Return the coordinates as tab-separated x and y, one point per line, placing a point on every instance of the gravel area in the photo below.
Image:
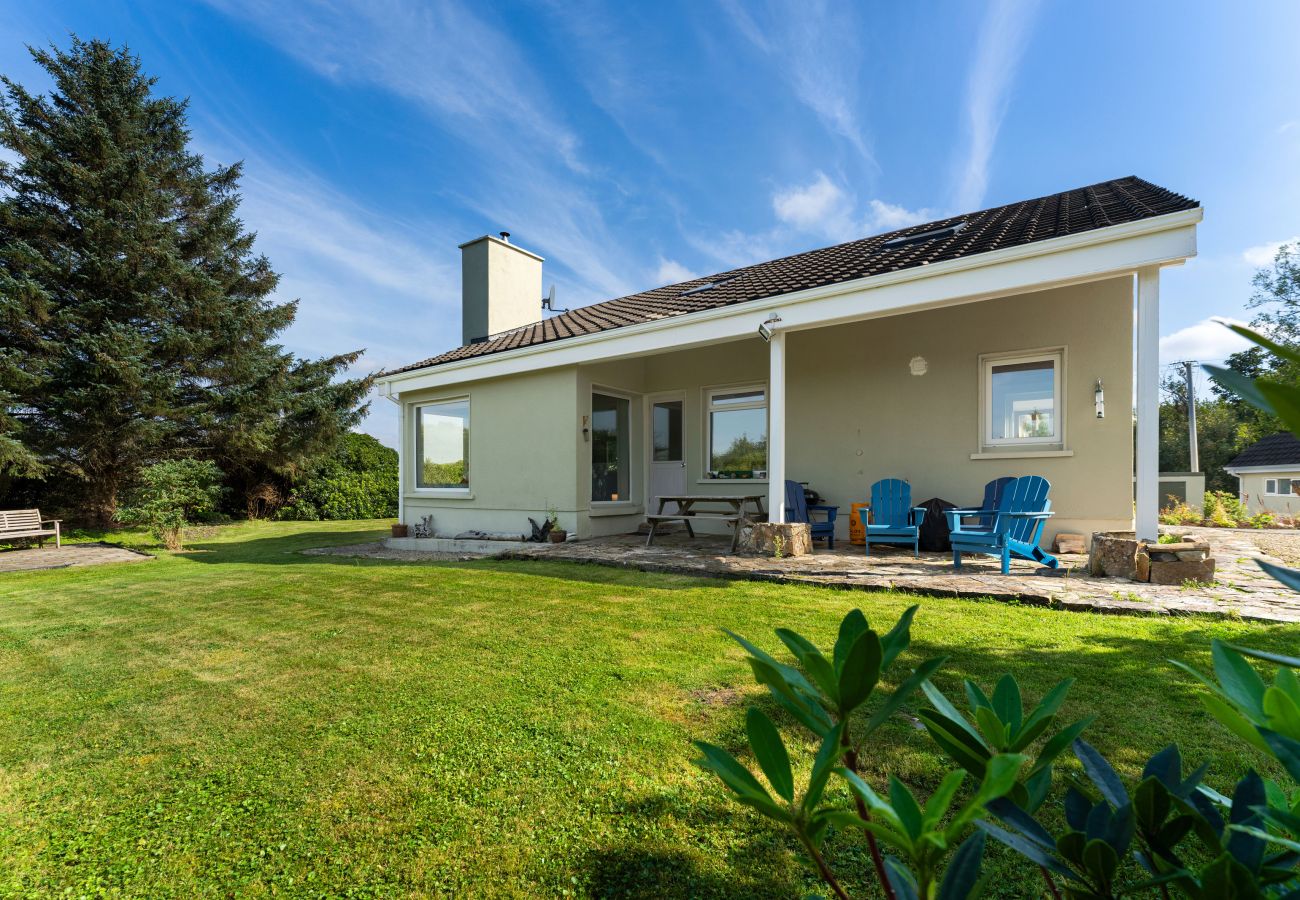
1281	544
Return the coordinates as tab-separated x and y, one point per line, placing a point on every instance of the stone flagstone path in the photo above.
51	557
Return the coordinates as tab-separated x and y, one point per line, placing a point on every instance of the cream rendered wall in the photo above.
857	414
523	438
1251	489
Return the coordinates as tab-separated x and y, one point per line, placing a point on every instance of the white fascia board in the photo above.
1091	255
1252	470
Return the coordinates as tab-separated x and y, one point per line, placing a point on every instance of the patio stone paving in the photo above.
1241	590
50	557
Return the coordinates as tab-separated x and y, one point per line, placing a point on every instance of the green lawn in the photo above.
244	720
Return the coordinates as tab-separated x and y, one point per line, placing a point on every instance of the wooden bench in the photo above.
657	520
27	523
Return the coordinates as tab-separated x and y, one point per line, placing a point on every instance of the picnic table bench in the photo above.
687	513
27	523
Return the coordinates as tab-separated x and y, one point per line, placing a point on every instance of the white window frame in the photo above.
417	463
707	429
629	501
1274	492
1054	355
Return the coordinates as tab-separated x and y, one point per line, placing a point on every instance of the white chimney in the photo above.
501	287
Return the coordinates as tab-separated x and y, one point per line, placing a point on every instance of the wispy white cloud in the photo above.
1002	38
812	206
670	271
1263	254
481	88
825	208
819	47
1207	341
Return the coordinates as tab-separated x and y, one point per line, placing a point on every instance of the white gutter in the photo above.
1255	470
1161	240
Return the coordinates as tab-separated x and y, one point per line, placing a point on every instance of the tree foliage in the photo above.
357	482
135	314
172	494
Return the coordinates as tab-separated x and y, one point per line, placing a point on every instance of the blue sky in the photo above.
634	144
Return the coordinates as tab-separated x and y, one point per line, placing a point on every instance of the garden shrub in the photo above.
360	482
171	495
1168	834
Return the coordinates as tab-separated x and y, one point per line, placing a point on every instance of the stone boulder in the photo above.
1114	554
762	539
1178	563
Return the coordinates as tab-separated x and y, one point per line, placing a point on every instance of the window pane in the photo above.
442	445
666	419
609	448
736	398
738	443
1023	404
1284	485
1270	486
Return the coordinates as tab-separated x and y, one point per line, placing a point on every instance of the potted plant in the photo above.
399	530
557	534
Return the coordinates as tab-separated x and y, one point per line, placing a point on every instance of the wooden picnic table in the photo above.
686	512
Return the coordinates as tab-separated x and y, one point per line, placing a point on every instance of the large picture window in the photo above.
610	448
1022	400
737	433
442	444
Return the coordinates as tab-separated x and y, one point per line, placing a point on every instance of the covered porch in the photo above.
945	398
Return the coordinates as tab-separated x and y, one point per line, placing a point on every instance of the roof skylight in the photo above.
923	236
708	286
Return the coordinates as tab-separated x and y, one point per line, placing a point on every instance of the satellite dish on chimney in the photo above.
548	302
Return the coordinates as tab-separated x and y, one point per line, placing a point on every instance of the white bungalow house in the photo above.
1001	342
1268	475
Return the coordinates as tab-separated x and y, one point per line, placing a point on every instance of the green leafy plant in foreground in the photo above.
1168	832
834	699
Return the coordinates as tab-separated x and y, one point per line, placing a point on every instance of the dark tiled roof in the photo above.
1070	212
1274	450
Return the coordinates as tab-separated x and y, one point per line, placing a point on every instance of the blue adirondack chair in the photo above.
798	509
1022	511
896	520
983	517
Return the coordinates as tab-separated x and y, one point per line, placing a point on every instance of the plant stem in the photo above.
1051	883
824	870
851	763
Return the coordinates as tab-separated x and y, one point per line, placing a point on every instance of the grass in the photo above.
245	720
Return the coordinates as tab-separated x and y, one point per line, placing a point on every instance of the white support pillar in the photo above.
776	429
1147	377
402	459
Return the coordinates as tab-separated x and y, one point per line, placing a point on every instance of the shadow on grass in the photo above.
288	550
646	874
747	868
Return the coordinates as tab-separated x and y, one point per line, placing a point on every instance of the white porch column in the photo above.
776	429
402	459
1147	376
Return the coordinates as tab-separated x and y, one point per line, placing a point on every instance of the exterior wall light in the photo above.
766	329
1099	396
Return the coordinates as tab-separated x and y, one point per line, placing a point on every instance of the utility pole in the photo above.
1194	457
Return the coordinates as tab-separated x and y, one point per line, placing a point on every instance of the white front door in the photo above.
667	460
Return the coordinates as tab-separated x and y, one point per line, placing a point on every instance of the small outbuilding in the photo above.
1268	475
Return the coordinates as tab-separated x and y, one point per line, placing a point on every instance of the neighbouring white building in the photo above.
1268	475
